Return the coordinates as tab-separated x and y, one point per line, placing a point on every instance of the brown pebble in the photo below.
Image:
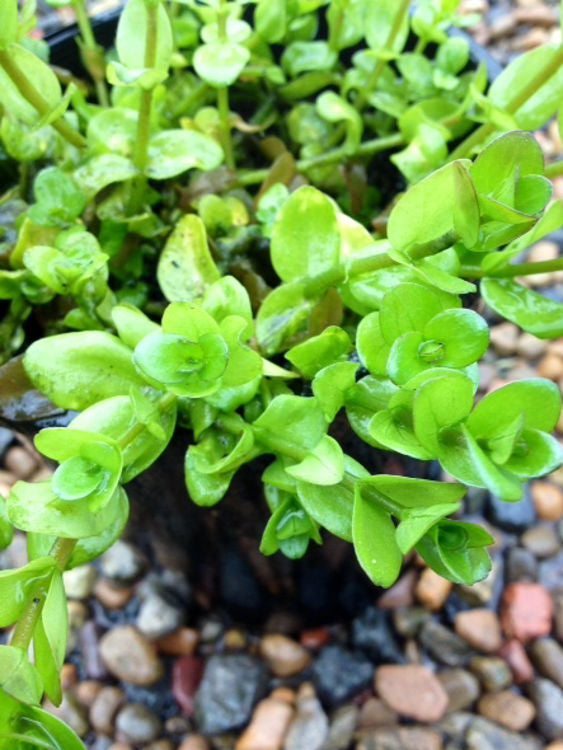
401	738
104	709
112	597
550	366
6	477
284	656
376	713
401	594
314	638
530	40
516	657
268	726
512	711
194	742
181	642
87	691
548	500
69	676
19	462
5	490
284	694
504	338
480	628
130	656
234	639
120	746
159	745
503	26
536	15
432	590
412	690
557	745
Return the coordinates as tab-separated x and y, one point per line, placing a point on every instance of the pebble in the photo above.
486	591
69	676
79	582
530	347
432	590
512	711
443	645
483	734
104	708
86	692
314	638
412	691
186	678
548	700
19	462
547	656
342	727
91	656
195	742
550	366
111	596
515	517
284	656
401	738
526	611
530	40
340	674
480	628
401	594
517	659
231	686
554	746
181	642
461	686
492	672
557	598
521	565
372	633
309	728
542	540
137	723
548	500
550	573
504	338
157	617
71	712
409	620
268	726
122	562
130	656
376	713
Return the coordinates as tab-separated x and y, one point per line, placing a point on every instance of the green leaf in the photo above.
220	63
463	333
103	170
455	551
416	522
443	204
40	728
411	493
334	108
18	677
50	638
132	32
211	458
289	529
373	349
363	399
205	489
404	360
528	309
301	57
225	297
305	238
172	152
6	529
406	308
379	20
132	325
9	28
185	267
331	386
17	585
283	315
374	541
33	69
113	130
77	369
392	428
59	200
320	351
534	455
270	19
324	465
295	420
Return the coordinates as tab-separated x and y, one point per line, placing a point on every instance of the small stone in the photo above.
340	674
461	686
104	708
309	728
409	620
548	700
550	573
157	617
315	638
186	678
537	15
550	366
130	656
137	723
194	742
159	745
342	727
90	646
376	713
181	642
480	628
432	590
504	338
231	685
372	633
526	611
515	656
530	40
412	691
111	596
87	691
516	517
541	540
71	712
554	746
401	738
19	462
483	734
486	591
69	676
79	582
122	562
443	645
401	594
512	711
284	694
283	655
234	639
530	347
548	500
547	656
268	726
557	598
492	672
521	565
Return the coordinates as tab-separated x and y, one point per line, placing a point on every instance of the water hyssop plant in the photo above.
256	217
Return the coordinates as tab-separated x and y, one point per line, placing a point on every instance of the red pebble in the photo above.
526	611
314	638
186	676
515	656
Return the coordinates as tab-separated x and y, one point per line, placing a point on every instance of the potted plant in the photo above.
266	223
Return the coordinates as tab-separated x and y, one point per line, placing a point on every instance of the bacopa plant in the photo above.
245	204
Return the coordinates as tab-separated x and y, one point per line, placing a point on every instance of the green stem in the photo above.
94	57
368	148
465	148
374	77
555	169
37	101
226	141
517	269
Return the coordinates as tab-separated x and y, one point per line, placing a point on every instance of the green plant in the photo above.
263	295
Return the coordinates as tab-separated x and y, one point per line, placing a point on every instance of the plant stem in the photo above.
555	169
367	148
226	142
37	101
93	52
394	30
513	105
516	269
